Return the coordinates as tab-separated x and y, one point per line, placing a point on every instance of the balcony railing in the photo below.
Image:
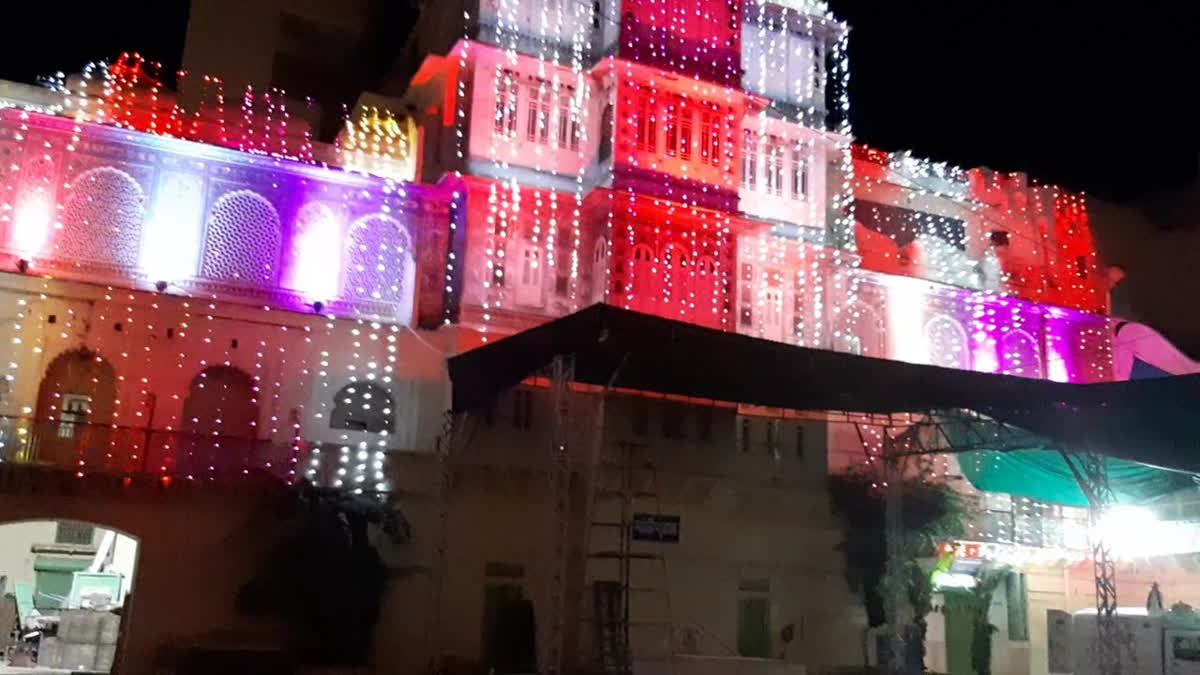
104	448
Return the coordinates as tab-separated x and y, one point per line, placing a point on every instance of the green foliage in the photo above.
981	628
325	576
930	513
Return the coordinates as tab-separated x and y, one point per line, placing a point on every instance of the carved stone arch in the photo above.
860	331
1019	354
75	405
380	260
242	240
102	219
946	343
220	423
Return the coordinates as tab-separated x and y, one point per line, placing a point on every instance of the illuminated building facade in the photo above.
200	291
703	170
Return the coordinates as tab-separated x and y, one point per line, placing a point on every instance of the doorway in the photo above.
220	417
75	405
64	589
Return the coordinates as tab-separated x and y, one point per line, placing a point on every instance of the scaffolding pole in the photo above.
551	660
452	432
1091	473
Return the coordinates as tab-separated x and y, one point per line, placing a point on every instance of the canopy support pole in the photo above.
552	642
1091	473
452	433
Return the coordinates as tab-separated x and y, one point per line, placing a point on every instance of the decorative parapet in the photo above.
114	206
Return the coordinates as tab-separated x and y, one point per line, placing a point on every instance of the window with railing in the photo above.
749	159
774	165
507	101
568	122
646	125
537	125
799	175
710	138
363	406
671	133
782	65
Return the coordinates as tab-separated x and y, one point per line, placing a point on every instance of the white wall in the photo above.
517	150
16	556
784	205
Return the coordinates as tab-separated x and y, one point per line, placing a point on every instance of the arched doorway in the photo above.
65	585
73	422
220	418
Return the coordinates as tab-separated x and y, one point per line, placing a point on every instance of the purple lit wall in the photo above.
972	330
113	206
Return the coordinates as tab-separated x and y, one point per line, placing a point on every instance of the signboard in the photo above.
655	527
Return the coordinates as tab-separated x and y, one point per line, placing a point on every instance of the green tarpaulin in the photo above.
1026	465
1043	475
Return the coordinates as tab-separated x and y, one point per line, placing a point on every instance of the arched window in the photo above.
242	240
529	279
707	292
220	422
599	270
946	343
102	219
860	331
606	126
641	283
363	406
676	282
1019	355
380	260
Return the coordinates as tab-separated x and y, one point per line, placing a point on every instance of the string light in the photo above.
674	174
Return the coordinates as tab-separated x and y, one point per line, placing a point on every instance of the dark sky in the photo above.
1094	96
66	35
1075	93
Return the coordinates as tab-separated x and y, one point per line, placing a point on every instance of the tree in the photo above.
325	576
980	602
930	513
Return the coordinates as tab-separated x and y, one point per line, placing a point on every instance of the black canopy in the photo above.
1145	421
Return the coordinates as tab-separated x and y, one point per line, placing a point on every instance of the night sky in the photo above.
65	36
1092	98
1097	100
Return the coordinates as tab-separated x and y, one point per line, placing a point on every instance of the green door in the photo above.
754	627
959	632
54	577
498	603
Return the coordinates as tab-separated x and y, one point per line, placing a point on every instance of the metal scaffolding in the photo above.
1091	472
550	661
927	434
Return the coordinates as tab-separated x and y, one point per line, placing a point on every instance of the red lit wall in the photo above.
1033	240
681	130
685	36
671	260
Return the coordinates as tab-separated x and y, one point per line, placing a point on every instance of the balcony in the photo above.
89	448
131	209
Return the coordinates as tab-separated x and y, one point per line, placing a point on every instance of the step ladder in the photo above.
631	609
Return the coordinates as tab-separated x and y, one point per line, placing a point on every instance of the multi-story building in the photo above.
193	295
